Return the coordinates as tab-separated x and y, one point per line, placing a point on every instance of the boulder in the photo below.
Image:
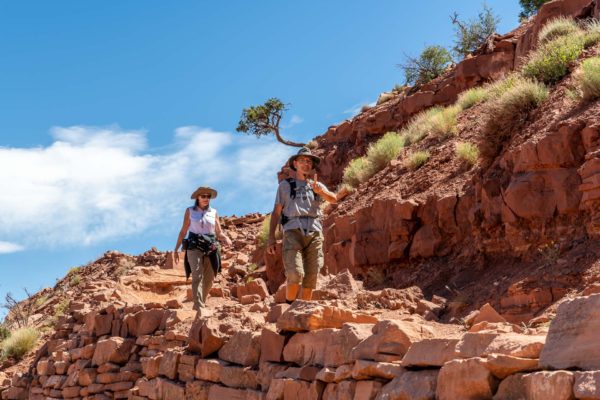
414	385
391	339
572	337
430	353
587	385
502	365
115	349
306	316
465	379
482	344
243	348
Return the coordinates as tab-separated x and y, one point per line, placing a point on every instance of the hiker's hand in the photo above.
176	257
272	248
228	241
314	185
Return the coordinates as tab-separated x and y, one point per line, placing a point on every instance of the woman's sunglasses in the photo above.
205	196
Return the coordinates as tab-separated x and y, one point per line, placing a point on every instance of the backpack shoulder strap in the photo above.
292	183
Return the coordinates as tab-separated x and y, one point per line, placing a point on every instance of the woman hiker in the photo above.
202	250
298	203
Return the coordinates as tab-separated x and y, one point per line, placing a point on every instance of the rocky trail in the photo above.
443	282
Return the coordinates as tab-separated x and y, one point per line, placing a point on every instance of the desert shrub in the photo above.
357	171
263	235
471	34
74	270
558	27
388	148
432	62
501	86
530	7
419	126
19	343
509	111
591	35
61	307
467	152
417	159
587	78
4	332
469	98
313	145
365	107
75	280
443	123
550	62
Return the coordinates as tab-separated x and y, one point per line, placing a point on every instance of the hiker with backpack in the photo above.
298	208
202	250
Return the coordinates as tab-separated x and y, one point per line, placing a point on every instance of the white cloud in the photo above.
93	184
355	109
294	120
7	247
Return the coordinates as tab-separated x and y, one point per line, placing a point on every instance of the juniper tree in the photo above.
530	7
432	62
264	120
470	35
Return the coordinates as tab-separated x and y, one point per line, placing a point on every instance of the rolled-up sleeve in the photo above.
282	193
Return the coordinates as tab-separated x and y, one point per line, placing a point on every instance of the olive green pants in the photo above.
202	277
302	257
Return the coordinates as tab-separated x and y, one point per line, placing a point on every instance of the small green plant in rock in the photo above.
592	33
19	343
558	27
467	152
420	125
74	280
469	98
550	63
417	159
4	332
443	123
263	235
357	171
509	111
587	79
388	148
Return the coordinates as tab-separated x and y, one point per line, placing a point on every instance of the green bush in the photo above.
587	78
432	62
388	148
470	35
469	98
443	123
467	152
592	33
4	332
357	171
263	235
75	280
509	111
417	159
419	126
530	7
558	27
501	86
19	343
550	63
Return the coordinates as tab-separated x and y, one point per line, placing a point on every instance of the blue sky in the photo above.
113	112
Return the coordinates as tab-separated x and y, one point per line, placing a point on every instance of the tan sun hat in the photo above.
304	151
204	190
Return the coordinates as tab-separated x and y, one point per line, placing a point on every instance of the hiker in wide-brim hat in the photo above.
304	152
298	208
202	249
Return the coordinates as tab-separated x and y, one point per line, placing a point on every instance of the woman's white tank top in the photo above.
203	221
